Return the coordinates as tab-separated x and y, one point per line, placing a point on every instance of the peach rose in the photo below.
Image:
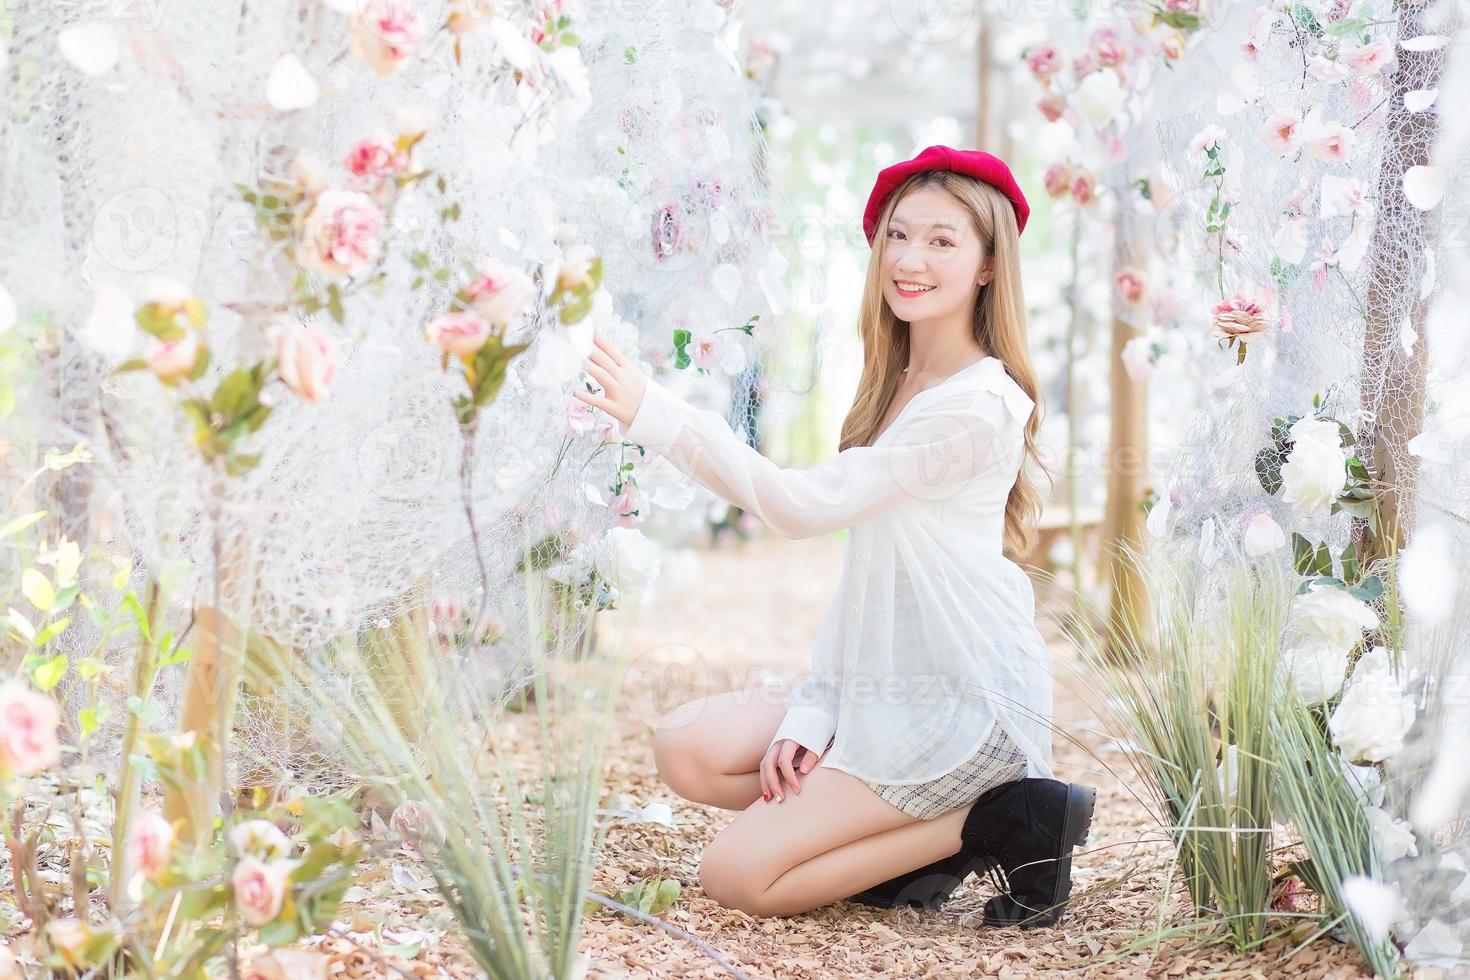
1057	179
150	843
307	360
1331	141
260	889
1283	133
28	723
499	293
385	34
1239	316
175	359
1172	47
341	234
462	333
1368	58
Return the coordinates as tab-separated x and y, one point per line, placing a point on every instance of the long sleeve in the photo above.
929	454
811	714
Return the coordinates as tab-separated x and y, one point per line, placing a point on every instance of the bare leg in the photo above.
709	750
833	839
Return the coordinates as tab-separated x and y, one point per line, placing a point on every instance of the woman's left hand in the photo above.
623	384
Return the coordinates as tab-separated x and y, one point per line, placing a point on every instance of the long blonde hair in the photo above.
999	326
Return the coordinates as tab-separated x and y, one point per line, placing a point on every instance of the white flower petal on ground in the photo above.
91	47
657	812
290	86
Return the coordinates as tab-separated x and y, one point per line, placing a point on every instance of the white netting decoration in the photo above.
130	141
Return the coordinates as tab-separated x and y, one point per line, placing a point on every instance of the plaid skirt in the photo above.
997	761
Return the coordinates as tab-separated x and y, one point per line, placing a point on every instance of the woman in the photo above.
922	739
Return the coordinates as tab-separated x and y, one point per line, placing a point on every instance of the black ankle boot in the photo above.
1027	829
928	887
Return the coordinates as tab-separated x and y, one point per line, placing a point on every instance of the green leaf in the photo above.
51	631
280	932
334	304
1301	554
1369	589
630	54
50	672
20	524
90	718
235	393
1268	468
37	589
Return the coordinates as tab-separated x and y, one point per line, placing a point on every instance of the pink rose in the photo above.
1106	49
1131	286
1057	179
1043	61
414	821
375	159
175	359
1052	106
462	333
341	234
1084	188
1172	47
150	843
1184	6
1331	141
260	889
1368	58
1239	316
624	504
385	34
1083	65
1283	133
307	360
28	721
500	293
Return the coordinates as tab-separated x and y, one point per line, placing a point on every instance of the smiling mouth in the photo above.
906	289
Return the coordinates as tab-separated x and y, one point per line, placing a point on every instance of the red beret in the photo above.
976	163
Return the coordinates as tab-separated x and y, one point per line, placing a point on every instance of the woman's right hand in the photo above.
784	761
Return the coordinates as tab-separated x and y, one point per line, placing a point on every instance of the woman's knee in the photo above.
726	880
676	759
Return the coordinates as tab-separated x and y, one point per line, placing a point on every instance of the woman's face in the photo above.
932	242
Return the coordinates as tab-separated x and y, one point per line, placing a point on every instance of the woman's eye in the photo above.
892	233
944	240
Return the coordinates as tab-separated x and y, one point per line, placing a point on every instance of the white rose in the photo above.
1137	358
1375	714
260	839
1316	470
635	559
1393	839
1334	616
1317	670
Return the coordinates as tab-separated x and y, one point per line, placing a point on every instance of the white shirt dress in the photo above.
928	659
